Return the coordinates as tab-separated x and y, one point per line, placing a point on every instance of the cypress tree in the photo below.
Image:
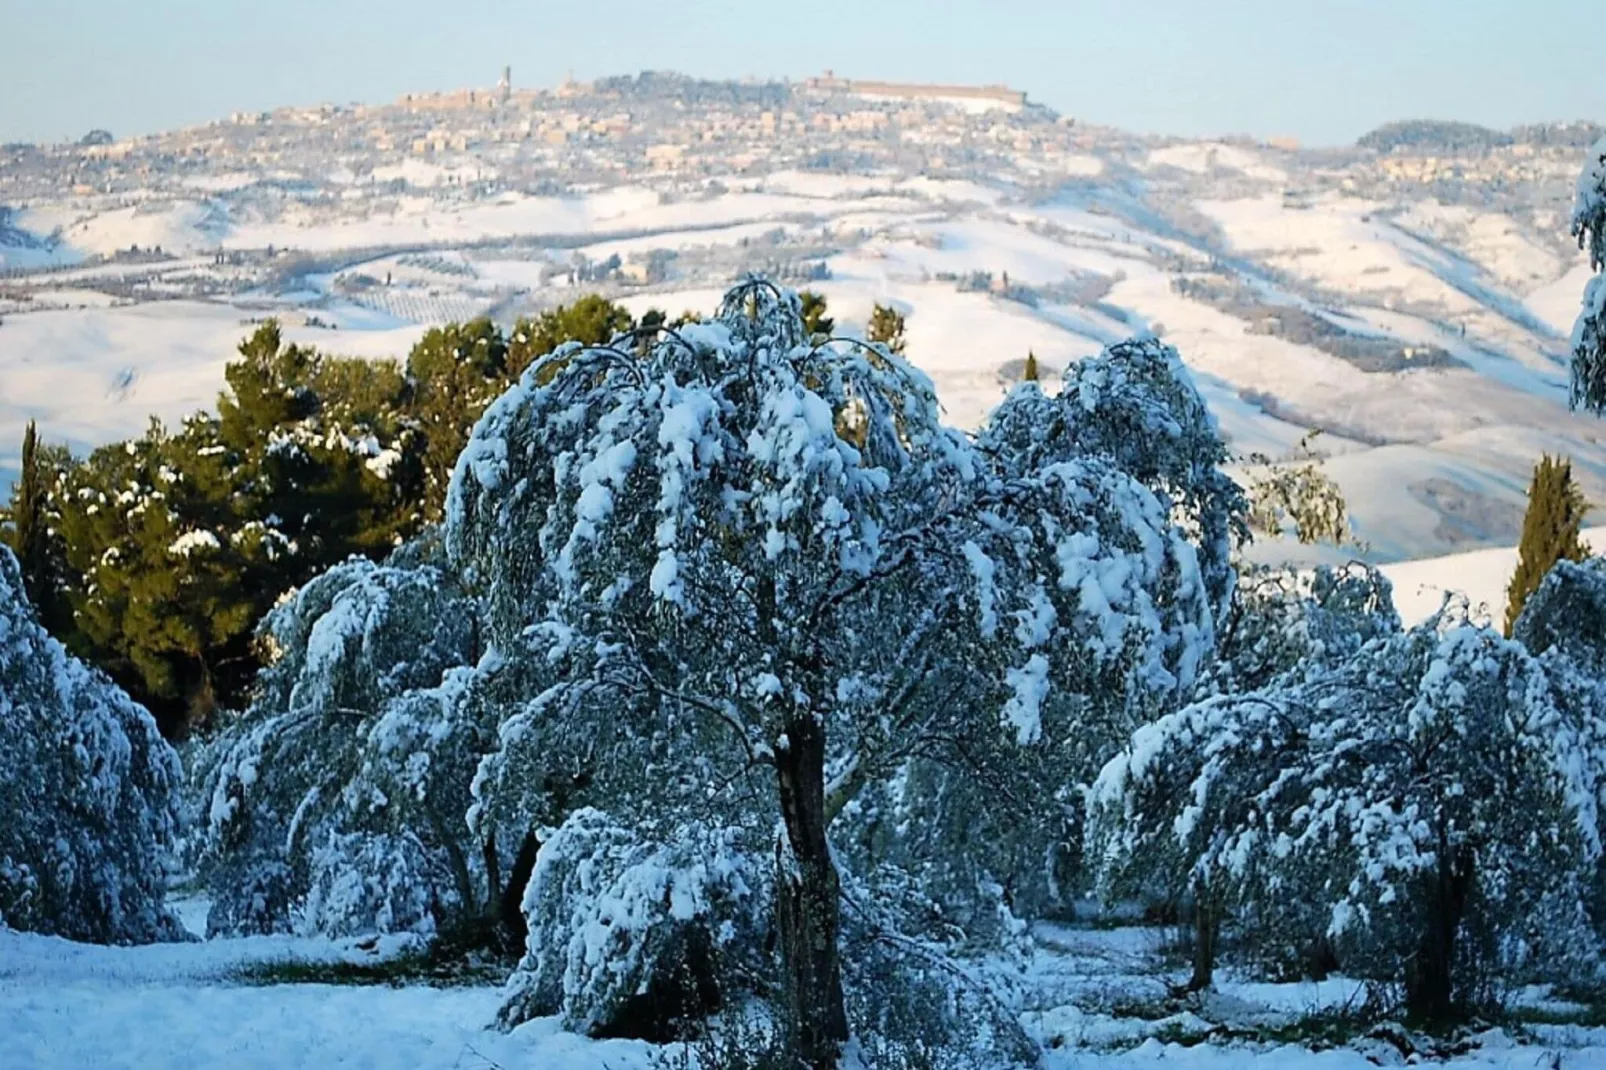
1550	531
887	327
1029	373
815	321
27	500
31	537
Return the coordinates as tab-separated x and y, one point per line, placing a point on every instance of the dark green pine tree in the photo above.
593	320
887	327
455	372
815	321
1550	531
1029	372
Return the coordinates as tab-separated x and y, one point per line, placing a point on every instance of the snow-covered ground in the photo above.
66	1006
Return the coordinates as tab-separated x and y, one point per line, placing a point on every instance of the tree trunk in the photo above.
1430	994
1206	926
808	907
510	911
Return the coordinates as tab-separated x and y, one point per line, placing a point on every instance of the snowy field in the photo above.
1098	1002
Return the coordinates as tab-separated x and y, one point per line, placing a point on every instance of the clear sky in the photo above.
1321	70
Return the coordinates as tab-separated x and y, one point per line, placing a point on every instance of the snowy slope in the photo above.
1481	575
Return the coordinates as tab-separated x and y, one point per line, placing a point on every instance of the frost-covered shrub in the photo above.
1589	334
1567	615
635	928
89	792
1428	807
335	802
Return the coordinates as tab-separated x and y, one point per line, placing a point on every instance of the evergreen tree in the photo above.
593	320
33	533
455	371
1550	530
815	321
887	328
1029	373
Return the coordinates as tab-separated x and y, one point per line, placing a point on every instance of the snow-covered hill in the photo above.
1420	327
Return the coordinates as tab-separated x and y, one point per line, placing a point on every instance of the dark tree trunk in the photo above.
808	906
493	875
1430	994
510	910
1206	927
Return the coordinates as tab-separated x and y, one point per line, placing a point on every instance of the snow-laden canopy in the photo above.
767	578
1589	334
88	792
335	802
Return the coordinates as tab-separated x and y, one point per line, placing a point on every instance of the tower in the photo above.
504	88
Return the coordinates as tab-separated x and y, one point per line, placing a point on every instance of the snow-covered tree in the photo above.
768	575
88	790
992	828
336	802
1297	622
1136	405
1567	615
1428	807
1589	335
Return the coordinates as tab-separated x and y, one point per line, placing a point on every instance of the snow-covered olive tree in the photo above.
89	792
1428	807
771	578
1589	335
336	802
636	925
1287	622
1136	405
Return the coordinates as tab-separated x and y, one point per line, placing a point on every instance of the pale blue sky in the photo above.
1322	71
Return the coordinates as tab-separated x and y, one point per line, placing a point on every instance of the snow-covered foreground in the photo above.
66	1005
177	1005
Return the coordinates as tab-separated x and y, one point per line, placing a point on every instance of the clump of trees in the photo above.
747	582
1427	810
155	558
